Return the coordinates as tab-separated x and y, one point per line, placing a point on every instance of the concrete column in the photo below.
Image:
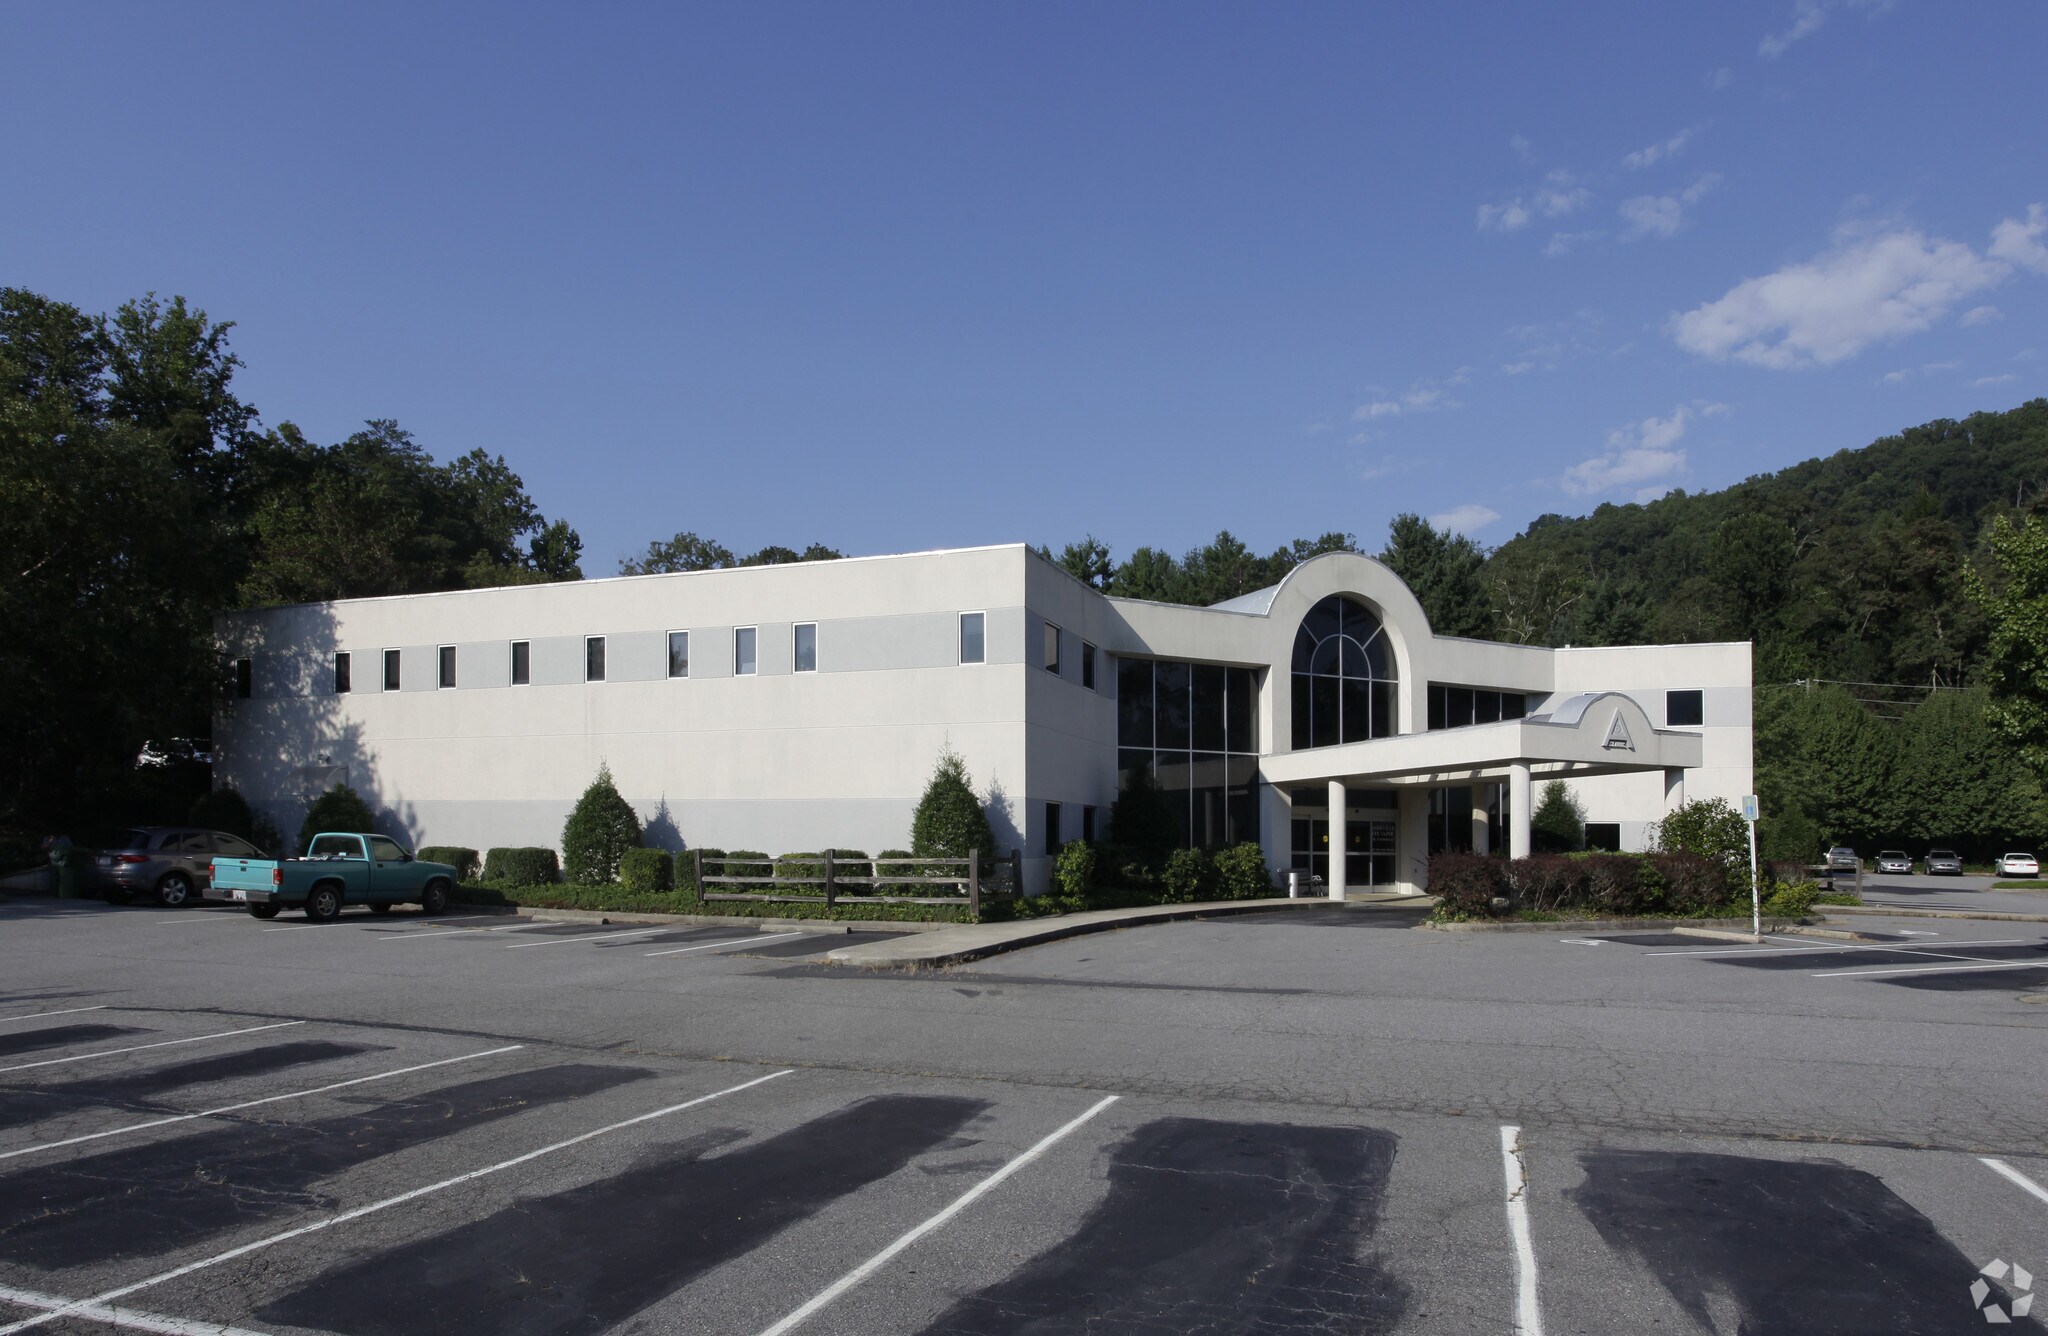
1482	835
1276	828
1340	838
1411	840
1674	790
1518	810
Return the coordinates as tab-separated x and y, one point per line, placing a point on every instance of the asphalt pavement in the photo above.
1305	1121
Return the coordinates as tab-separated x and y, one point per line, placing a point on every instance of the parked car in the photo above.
1943	863
1843	857
1893	860
2018	865
172	863
174	751
340	867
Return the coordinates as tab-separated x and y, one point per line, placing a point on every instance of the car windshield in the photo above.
1891	853
133	839
1940	853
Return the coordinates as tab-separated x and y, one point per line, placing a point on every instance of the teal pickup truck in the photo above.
340	868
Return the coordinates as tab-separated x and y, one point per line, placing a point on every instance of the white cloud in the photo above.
1652	153
2020	242
1466	519
1546	347
1424	396
1981	315
1663	215
1640	456
1561	195
1561	243
1868	288
1982	381
1899	377
1509	217
1807	18
1523	148
1720	79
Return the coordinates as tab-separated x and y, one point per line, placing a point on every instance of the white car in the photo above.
2019	865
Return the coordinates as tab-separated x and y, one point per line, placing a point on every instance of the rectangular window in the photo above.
593	658
341	674
973	646
522	662
1088	665
1603	836
391	670
679	654
447	665
1088	824
806	647
743	661
1052	648
245	678
1052	828
1685	709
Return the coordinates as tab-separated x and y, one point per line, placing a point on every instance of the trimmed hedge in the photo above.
644	871
1589	885
614	897
1241	873
466	862
522	867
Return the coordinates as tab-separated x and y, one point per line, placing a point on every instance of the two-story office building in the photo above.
804	706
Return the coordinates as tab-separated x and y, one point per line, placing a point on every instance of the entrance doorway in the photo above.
1369	861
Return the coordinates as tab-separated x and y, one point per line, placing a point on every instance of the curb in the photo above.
1610	925
821	926
976	941
1998	916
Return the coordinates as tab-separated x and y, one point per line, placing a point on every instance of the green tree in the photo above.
684	552
2014	597
1150	574
1143	816
1558	825
1708	827
1087	561
600	829
1968	784
950	821
341	808
1445	571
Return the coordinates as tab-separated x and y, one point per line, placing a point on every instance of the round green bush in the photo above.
598	832
338	809
647	871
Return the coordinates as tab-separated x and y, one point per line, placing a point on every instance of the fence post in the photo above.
697	871
828	879
974	882
1017	873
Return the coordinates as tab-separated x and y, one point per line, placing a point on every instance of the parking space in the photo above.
1916	958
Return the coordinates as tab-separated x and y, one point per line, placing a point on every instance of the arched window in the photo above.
1343	675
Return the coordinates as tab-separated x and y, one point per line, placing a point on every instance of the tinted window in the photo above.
385	851
391	670
743	660
341	674
1052	828
336	846
245	678
1604	836
593	658
1051	657
522	663
806	647
1134	703
234	848
679	654
1087	665
1684	709
191	842
972	648
447	665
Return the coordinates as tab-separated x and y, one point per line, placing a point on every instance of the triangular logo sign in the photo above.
1617	735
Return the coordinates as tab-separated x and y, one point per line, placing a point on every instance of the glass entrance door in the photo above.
1369	861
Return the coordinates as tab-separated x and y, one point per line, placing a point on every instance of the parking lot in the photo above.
1316	1121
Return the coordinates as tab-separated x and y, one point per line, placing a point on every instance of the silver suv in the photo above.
172	863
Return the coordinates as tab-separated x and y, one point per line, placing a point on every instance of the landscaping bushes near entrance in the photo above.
1673	885
521	867
466	862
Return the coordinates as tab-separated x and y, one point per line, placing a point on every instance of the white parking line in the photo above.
68	1011
728	941
1745	951
137	1048
271	1240
1935	969
134	1319
2025	1184
585	937
960	1203
415	936
250	1103
1909	949
1528	1314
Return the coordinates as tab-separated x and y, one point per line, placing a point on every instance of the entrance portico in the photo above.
1593	733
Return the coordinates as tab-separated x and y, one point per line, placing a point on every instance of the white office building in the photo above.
802	707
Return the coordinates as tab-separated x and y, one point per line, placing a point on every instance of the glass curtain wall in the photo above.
1343	676
1192	726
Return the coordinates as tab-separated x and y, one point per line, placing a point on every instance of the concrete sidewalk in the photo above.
958	945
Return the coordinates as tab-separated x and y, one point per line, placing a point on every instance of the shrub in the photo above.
1793	899
1144	818
885	869
1710	828
521	866
1692	885
1073	870
224	809
1546	883
1558	825
1126	866
338	809
1241	872
1621	884
950	820
466	862
804	874
853	863
738	863
598	832
1467	884
1188	875
647	871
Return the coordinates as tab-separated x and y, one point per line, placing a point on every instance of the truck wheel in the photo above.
380	906
173	889
434	899
263	911
323	903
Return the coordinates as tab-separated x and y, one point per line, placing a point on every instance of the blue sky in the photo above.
892	277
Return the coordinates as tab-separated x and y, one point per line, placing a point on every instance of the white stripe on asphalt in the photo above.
68	1011
728	941
1935	969
249	1103
134	1319
80	1305
1528	1315
960	1203
137	1048
2025	1184
584	937
1909	949
1745	951
450	932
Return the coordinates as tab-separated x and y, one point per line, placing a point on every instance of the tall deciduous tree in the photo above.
1446	571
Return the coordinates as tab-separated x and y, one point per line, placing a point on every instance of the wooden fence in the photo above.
971	879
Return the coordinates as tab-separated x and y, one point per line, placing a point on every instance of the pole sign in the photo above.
1749	810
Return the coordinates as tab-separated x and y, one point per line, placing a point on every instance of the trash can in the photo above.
1297	884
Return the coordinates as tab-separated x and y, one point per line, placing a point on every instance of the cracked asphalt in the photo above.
1275	1123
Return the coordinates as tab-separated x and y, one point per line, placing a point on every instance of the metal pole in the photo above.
1756	903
